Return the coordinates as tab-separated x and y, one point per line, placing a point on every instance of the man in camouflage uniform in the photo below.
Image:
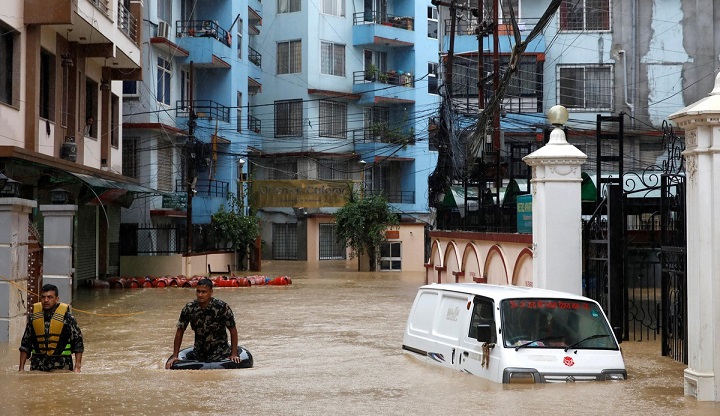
208	317
51	336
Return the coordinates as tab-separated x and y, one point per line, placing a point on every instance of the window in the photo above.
184	88
432	16
284	169
482	320
130	157
164	10
334	7
332	59
288	118
114	121
390	258
288	6
330	249
130	89
164	71
91	106
9	65
333	119
47	85
586	87
585	15
432	78
165	165
329	169
239	38
375	119
239	111
289	57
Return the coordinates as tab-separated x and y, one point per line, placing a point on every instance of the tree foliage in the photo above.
234	228
361	225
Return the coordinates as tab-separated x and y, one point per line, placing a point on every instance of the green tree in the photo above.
361	225
235	229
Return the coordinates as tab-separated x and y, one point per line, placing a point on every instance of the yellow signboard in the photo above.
299	193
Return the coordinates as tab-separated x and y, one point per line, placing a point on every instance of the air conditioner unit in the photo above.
163	29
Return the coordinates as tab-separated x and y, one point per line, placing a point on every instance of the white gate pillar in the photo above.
58	248
14	217
557	210
701	122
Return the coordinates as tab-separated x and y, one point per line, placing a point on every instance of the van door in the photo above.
451	317
477	353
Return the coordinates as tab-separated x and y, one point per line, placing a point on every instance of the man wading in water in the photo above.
208	317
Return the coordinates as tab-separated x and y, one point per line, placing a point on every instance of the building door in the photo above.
330	249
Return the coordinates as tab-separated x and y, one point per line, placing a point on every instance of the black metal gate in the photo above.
634	246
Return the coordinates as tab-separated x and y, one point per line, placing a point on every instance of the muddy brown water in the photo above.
329	344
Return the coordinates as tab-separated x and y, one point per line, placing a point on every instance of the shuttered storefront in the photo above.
86	243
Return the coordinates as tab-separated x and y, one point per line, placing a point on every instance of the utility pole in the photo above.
496	86
191	165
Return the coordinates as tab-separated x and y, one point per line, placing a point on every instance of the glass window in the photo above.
9	64
288	118
482	320
47	85
390	257
432	16
334	7
164	10
164	72
432	78
333	119
289	57
130	88
288	6
591	15
555	323
332	59
586	87
329	169
91	108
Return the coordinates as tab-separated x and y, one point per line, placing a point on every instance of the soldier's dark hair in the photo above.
48	288
205	282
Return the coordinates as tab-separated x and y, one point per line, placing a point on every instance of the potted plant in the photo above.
370	72
383	77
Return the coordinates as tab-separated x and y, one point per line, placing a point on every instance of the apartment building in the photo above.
188	121
349	92
61	64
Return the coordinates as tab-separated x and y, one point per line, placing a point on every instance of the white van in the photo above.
513	334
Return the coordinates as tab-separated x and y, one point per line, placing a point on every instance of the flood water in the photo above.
330	343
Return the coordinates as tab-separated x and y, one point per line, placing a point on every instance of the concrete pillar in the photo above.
14	217
701	122
58	248
556	210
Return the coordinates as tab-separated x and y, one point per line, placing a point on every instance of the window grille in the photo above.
288	118
593	15
332	59
586	87
330	249
333	119
289	57
284	245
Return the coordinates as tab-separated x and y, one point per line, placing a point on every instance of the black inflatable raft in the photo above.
186	361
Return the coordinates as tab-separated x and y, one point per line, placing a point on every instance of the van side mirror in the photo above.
486	333
618	334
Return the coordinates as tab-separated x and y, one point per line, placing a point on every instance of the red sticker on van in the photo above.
568	361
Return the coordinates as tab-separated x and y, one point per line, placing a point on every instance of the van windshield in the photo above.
555	323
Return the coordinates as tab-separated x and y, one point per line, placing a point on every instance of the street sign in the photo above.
175	200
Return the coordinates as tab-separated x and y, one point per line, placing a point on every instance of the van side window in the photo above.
482	321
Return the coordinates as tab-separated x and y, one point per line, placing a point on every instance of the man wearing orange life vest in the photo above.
51	336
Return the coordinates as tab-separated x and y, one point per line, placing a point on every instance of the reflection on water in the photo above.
327	344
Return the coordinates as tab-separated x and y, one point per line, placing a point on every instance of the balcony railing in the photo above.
204	109
127	23
392	77
254	57
394	197
205	187
254	124
102	5
204	29
389	136
373	17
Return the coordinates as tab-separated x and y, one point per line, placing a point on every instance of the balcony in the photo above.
204	109
254	21
254	57
208	44
205	187
373	28
254	124
381	133
393	197
387	87
127	23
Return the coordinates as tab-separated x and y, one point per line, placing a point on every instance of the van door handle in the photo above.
452	359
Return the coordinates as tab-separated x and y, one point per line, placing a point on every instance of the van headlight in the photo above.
614	375
520	376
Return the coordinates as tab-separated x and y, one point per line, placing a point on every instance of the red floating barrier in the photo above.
116	283
160	282
243	282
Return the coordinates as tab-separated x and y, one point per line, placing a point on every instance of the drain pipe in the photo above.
625	82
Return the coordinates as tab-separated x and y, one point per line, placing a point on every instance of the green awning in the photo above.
103	191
